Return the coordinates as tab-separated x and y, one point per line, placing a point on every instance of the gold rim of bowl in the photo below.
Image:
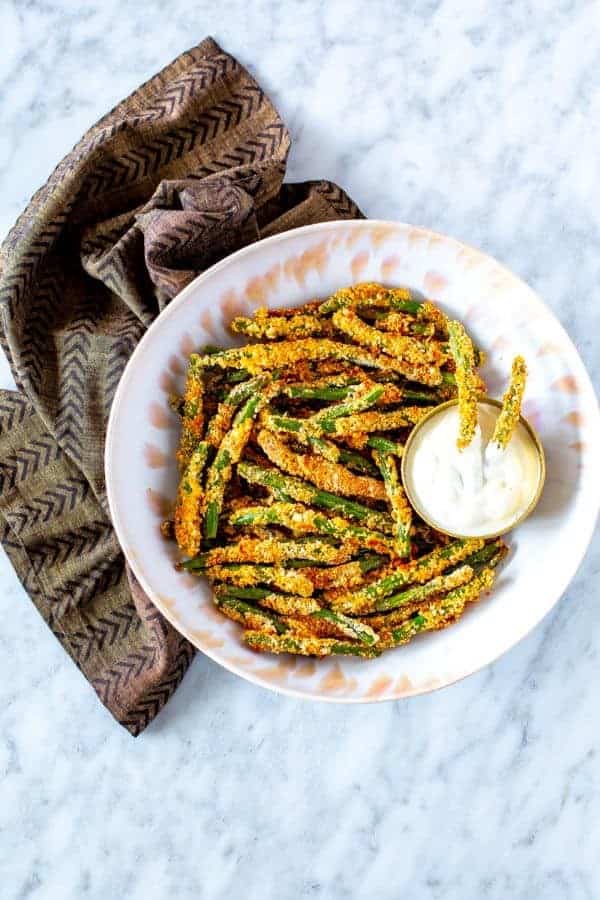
535	440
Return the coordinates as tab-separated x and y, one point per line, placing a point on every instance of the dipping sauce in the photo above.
480	491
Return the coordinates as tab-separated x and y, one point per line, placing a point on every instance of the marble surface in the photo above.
478	119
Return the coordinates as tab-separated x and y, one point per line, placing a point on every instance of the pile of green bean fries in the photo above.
291	500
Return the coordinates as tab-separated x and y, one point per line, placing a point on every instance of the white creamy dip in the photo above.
481	490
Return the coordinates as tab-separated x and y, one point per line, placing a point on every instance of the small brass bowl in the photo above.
406	460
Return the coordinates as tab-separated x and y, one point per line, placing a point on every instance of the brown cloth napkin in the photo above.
181	173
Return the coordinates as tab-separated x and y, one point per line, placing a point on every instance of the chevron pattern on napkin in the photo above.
183	172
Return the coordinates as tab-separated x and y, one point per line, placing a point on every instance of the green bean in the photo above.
287	486
301	519
327	449
272	550
227	456
411	349
417	571
324	421
341	391
325	475
192	420
330	451
401	509
273	327
462	351
383	445
508	419
439	613
487	553
374	420
257	358
356	461
438	585
209	349
289	605
348	575
251	575
361	423
221	421
188	506
248	615
306	392
398	299
348	627
306	646
232	591
236	375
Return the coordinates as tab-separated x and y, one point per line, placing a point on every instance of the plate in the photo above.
504	316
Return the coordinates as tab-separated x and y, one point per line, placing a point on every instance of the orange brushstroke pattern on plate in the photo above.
359	264
380	234
160	416
379	686
389	266
187	345
574	418
161	506
567	384
176	365
435	283
155	458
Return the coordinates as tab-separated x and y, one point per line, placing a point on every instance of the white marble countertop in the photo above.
477	119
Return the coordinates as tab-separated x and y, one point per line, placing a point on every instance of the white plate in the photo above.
504	316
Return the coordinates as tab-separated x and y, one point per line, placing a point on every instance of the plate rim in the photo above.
171	309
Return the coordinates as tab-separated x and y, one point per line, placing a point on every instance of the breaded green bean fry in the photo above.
417	571
385	620
188	506
286	487
411	349
220	423
228	454
248	615
359	400
289	605
383	445
274	327
273	550
371	295
192	420
348	627
323	474
438	585
347	575
367	422
257	358
461	349
241	575
306	646
399	505
361	423
405	324
438	614
340	390
302	520
511	404
240	593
